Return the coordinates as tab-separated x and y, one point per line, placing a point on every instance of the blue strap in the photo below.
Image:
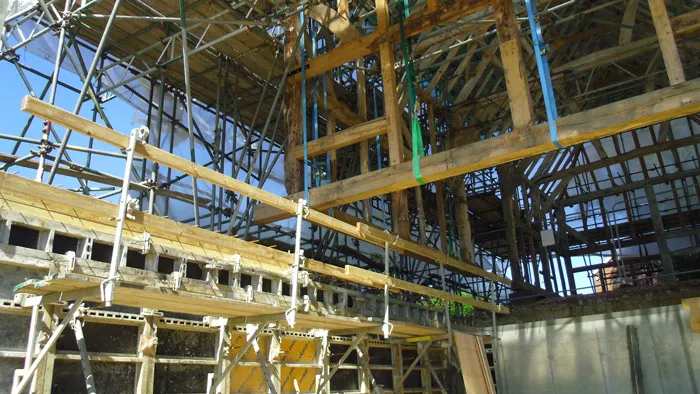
541	49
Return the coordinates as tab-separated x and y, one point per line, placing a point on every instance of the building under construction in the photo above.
350	196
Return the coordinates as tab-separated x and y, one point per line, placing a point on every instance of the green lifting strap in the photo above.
416	134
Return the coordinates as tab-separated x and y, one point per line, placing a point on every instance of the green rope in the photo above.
416	134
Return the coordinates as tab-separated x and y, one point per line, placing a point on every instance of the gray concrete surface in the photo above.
590	354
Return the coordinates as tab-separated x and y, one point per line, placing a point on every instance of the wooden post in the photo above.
563	244
397	371
505	181
667	42
513	65
330	129
658	224
399	199
323	356
439	192
44	373
461	205
293	170
148	343
425	376
365	381
275	368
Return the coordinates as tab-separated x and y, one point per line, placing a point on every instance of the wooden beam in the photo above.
347	137
381	280
414	25
64	118
513	64
399	198
669	50
628	21
644	110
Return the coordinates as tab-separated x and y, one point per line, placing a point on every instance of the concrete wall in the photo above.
590	354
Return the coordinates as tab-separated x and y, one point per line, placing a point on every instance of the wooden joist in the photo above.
335	141
641	111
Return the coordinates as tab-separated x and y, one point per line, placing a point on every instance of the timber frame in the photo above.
280	187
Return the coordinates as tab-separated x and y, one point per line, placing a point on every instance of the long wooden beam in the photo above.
414	25
335	141
641	111
66	119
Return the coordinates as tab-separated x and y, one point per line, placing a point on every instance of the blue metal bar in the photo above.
541	49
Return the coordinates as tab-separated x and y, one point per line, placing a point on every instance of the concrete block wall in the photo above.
590	354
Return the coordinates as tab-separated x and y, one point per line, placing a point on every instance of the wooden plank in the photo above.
644	110
475	367
669	50
692	305
414	25
347	137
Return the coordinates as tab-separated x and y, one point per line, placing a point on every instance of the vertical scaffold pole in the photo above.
109	284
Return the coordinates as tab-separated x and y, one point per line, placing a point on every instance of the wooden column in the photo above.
658	224
397	371
399	199
274	367
148	343
44	372
439	194
293	170
464	230
563	245
364	145
513	65
505	181
669	50
425	376
330	129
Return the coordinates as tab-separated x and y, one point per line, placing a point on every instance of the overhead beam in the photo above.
335	141
414	25
667	42
636	112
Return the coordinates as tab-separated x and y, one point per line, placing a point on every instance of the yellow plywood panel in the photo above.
475	367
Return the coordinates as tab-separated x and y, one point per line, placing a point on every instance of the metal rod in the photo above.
110	283
86	85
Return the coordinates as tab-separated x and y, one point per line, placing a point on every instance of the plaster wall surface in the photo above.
590	354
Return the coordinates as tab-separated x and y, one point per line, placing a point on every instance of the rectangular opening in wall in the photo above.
267	285
286	289
223	277
64	243
303	291
246	280
320	295
166	265
101	252
24	236
135	259
194	271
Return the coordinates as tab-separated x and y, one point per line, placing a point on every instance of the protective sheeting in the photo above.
174	123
